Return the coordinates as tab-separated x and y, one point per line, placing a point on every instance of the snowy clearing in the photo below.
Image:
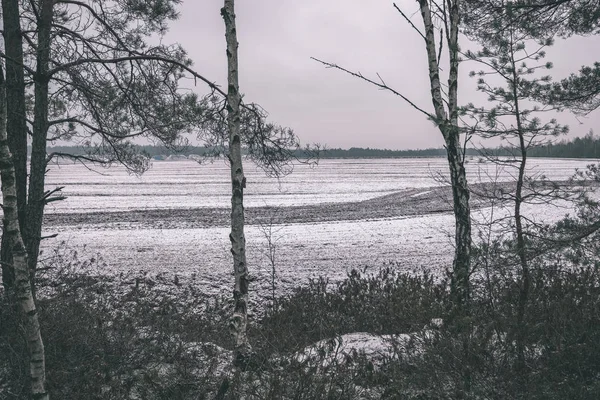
325	221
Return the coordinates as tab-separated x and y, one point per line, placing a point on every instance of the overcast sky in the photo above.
278	37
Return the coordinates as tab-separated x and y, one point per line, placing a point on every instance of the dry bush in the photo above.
160	337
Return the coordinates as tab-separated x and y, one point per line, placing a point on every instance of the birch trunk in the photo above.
37	176
16	123
22	288
239	320
448	125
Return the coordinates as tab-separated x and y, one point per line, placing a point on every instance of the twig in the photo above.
410	22
381	85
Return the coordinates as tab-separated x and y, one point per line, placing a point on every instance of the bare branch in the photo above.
381	85
410	22
439	57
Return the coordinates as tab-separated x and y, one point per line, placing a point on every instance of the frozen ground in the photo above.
324	221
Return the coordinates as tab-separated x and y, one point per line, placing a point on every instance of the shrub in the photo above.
160	337
388	302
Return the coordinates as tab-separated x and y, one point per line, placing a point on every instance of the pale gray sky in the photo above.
278	37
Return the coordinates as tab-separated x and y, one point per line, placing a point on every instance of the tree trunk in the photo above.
460	190
448	125
36	203
522	253
239	320
22	288
461	264
521	247
16	123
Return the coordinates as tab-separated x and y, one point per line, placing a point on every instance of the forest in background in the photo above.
579	147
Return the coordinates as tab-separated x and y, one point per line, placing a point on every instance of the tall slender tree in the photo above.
513	118
445	115
36	196
239	320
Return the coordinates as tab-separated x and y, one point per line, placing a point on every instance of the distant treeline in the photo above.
151	151
585	147
359	152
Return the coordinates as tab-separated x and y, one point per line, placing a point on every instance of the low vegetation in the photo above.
160	337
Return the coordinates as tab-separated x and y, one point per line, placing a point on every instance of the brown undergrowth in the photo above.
161	337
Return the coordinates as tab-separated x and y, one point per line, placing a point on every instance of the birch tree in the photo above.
270	146
22	293
16	122
239	320
445	116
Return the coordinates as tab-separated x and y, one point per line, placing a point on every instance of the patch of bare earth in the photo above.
409	202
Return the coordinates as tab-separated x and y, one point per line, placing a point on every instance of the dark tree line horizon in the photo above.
587	146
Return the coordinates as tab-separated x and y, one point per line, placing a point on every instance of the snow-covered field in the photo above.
325	220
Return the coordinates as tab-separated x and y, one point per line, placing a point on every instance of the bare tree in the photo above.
445	115
269	232
239	320
272	147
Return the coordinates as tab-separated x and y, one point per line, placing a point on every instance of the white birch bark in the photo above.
239	320
22	286
448	125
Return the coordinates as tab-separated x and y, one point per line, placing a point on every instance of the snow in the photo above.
327	220
376	348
